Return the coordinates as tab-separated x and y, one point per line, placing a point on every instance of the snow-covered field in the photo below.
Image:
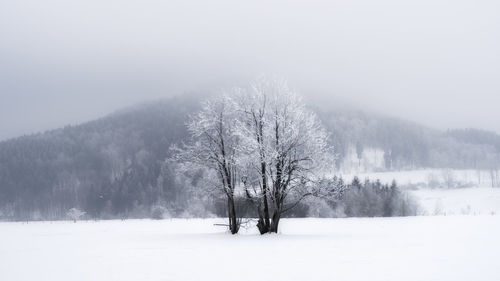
460	201
414	248
461	243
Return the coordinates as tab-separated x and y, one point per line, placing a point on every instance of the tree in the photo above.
253	163
75	214
284	149
213	147
359	153
263	139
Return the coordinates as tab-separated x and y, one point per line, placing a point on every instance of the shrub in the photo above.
75	214
159	212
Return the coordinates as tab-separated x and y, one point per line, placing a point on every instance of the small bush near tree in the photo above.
75	214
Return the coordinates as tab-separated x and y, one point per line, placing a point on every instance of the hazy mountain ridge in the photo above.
115	165
408	145
92	164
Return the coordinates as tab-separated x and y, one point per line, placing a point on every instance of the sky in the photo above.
435	62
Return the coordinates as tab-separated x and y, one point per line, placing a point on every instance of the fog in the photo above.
65	62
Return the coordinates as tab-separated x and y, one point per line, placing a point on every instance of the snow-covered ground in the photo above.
413	248
459	201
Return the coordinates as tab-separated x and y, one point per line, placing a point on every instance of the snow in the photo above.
473	201
413	248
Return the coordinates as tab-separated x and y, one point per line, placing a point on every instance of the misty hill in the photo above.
106	166
115	166
360	136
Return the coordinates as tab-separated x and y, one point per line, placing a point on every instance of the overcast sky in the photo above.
432	61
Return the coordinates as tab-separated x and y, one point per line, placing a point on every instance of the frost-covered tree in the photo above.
284	149
252	122
264	140
213	147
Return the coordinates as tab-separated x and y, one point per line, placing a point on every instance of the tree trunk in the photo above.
261	225
275	222
265	224
231	212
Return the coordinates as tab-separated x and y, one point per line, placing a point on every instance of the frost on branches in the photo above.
260	142
213	147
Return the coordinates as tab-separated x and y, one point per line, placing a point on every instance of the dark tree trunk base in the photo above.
263	227
275	222
234	224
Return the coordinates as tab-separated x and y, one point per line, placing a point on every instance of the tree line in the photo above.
114	167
